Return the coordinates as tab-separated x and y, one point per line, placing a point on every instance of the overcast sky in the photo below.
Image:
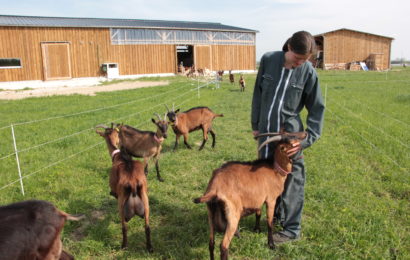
276	20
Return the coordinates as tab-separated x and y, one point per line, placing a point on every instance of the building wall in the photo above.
90	47
349	46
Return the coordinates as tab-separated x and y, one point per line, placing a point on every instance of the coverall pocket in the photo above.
293	96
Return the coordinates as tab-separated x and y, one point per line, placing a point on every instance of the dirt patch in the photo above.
82	90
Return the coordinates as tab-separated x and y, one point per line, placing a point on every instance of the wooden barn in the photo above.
48	48
345	49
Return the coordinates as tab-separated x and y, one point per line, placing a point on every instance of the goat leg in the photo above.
148	238
186	141
257	227
66	256
124	234
213	138
176	141
157	168
270	208
202	145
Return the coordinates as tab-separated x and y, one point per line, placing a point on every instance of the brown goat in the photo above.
31	229
191	120
231	78
144	144
238	189
242	83
128	184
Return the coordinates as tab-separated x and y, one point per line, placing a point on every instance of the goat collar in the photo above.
156	138
280	170
114	153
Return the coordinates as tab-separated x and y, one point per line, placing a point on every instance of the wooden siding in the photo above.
203	57
350	46
233	57
90	47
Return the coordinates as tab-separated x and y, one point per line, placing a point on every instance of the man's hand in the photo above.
296	147
255	133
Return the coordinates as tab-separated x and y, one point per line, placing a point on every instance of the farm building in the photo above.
48	48
344	49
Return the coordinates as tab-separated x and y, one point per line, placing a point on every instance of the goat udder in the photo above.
133	206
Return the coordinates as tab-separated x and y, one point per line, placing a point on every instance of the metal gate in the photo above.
56	60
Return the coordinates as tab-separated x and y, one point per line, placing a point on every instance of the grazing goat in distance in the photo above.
32	229
128	185
144	144
231	77
242	83
238	189
193	119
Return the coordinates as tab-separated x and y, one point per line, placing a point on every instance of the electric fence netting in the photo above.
384	134
52	144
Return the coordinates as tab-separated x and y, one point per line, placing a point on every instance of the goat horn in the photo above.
266	134
270	140
159	117
101	126
173	107
167	107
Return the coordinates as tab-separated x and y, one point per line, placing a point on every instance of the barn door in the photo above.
56	60
203	57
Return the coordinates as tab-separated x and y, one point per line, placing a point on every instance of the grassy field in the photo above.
358	183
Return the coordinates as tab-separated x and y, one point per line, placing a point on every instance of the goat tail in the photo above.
68	216
205	198
218	115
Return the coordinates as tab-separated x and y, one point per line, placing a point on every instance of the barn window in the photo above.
151	36
10	63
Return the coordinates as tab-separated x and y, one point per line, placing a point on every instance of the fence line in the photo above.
67	136
380	113
375	127
370	143
73	155
92	110
50	165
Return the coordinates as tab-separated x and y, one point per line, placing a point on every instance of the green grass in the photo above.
357	190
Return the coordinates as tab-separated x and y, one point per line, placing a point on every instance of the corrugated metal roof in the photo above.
39	21
344	29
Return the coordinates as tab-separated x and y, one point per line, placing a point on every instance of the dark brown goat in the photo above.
242	83
193	119
128	184
231	78
238	189
31	230
144	144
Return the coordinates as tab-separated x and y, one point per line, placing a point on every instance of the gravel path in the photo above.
83	90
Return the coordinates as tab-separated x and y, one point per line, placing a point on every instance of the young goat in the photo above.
31	230
144	144
231	78
128	184
191	120
238	189
242	83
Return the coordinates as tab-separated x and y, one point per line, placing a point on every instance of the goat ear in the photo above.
153	120
176	111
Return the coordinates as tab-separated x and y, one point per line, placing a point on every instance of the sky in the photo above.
276	20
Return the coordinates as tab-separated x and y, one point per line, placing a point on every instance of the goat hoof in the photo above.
161	180
150	250
272	246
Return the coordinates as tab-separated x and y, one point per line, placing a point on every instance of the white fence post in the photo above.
17	159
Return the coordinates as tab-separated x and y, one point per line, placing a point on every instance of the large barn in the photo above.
48	48
344	48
